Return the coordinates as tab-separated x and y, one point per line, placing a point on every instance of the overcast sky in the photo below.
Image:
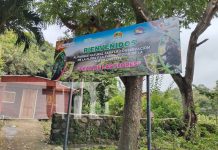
206	68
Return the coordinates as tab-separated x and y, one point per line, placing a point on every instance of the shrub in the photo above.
164	106
169	125
116	105
211	128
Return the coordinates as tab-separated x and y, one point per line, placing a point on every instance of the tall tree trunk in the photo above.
132	107
132	113
189	115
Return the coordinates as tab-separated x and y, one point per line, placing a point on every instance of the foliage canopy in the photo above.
19	16
36	61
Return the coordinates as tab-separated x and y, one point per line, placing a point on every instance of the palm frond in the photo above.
22	37
38	34
22	20
32	16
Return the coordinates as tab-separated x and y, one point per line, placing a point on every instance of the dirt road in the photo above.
24	135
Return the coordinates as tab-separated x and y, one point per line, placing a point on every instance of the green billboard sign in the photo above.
140	49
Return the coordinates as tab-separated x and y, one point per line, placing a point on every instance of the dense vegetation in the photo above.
14	61
167	127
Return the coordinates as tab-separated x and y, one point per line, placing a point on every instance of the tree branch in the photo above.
140	13
68	22
94	23
178	79
202	42
143	15
203	24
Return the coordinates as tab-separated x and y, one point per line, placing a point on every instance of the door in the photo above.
28	104
51	104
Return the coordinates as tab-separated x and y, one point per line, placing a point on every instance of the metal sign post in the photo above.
68	117
148	114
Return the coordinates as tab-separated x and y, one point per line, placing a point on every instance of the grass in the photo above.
46	125
207	119
100	148
205	137
172	142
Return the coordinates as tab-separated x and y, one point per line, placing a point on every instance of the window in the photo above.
7	96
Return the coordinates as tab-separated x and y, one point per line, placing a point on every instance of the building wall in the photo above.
46	103
9	109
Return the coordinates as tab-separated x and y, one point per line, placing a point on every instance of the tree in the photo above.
185	83
201	101
90	16
19	17
106	89
36	61
211	104
188	13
